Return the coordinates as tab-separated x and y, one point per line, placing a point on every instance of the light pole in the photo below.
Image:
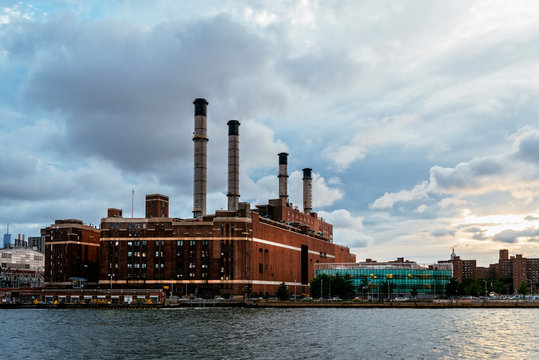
294	289
111	276
329	290
485	287
322	287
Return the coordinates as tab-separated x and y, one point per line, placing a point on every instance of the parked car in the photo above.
399	298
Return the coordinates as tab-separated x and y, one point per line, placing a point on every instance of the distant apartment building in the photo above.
462	269
37	243
518	268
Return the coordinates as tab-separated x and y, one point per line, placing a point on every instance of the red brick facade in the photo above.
71	250
229	253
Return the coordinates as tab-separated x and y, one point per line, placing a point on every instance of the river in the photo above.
241	333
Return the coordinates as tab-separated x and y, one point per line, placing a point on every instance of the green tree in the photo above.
503	286
452	288
524	288
335	285
386	288
471	287
364	287
282	291
317	283
414	291
342	286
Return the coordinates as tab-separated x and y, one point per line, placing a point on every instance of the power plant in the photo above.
238	251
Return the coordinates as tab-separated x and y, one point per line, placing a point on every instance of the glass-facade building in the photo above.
375	278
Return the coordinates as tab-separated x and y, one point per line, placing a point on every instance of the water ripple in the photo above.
232	333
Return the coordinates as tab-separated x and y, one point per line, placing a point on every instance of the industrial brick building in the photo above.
237	251
71	251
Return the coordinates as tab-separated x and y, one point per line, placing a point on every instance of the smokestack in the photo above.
283	176
233	164
307	191
200	138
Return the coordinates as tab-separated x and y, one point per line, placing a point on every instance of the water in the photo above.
236	333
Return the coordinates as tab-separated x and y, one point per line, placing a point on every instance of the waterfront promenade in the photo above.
437	304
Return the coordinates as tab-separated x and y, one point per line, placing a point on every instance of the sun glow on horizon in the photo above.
496	223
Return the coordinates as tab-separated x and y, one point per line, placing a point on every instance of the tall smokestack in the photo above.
307	191
200	138
233	164
283	176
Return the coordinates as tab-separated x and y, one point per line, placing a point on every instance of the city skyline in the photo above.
418	119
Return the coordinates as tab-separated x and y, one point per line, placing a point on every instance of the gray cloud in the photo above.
125	91
443	232
321	73
511	236
527	145
466	175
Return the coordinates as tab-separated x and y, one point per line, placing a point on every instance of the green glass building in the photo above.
374	279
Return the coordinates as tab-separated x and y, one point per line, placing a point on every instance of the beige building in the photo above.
21	259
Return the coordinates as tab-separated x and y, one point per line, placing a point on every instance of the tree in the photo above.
342	286
471	287
452	287
503	286
386	288
317	283
334	285
282	291
365	286
414	291
524	288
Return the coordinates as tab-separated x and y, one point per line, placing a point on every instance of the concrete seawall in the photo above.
293	304
403	304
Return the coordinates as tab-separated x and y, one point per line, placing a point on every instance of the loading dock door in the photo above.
304	264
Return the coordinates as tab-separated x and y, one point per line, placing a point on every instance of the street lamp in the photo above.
111	276
485	287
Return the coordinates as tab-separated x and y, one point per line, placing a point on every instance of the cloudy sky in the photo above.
419	118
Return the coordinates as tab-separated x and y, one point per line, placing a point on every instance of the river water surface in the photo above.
236	333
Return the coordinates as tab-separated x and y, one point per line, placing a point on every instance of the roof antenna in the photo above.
132	201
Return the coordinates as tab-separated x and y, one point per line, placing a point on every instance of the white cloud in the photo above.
389	199
347	229
373	133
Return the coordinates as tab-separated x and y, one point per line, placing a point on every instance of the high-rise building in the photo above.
7	239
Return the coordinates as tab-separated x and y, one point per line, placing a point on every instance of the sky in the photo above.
418	118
